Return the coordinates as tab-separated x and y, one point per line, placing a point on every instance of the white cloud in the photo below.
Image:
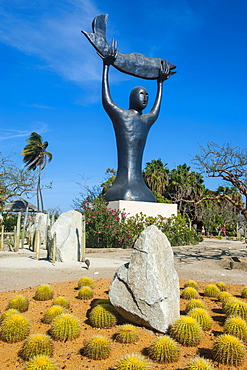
40	106
52	31
9	134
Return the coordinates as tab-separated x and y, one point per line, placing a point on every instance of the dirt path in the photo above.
209	261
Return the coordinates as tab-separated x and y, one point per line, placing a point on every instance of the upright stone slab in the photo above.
68	229
145	291
40	222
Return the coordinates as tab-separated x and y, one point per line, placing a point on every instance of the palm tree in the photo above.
156	176
35	157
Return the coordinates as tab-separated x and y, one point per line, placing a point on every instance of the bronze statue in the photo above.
131	126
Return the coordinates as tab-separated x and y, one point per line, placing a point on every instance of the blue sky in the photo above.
51	82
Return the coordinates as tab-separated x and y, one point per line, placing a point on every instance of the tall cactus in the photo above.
17	233
24	228
2	238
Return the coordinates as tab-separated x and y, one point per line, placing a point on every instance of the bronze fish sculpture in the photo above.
134	64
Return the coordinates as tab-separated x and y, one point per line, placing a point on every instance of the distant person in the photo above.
223	230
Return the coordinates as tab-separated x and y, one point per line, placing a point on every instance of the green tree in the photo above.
35	157
185	188
156	176
229	164
111	177
13	180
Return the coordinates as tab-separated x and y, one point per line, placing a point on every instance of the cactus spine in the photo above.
211	290
226	302
229	350
41	363
244	292
194	303
44	292
189	293
202	317
52	312
85	281
19	302
61	301
97	348
237	327
191	283
15	328
164	349
236	308
186	331
65	327
132	362
103	316
127	333
85	292
103	301
222	286
199	363
7	313
223	296
37	344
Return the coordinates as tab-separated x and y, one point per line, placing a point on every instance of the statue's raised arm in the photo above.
108	59
164	74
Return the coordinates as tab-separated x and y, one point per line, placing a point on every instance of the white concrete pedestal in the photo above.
131	208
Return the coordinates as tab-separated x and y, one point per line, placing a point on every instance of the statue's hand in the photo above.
165	72
111	55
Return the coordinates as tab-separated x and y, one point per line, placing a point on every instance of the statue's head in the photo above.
138	98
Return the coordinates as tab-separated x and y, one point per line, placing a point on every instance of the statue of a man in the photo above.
131	129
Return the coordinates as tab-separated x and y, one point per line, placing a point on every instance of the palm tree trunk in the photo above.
37	194
41	199
39	191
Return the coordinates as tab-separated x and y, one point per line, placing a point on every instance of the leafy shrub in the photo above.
108	228
9	222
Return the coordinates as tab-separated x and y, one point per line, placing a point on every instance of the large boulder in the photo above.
68	230
145	291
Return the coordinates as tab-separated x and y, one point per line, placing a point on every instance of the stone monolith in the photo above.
68	229
145	291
